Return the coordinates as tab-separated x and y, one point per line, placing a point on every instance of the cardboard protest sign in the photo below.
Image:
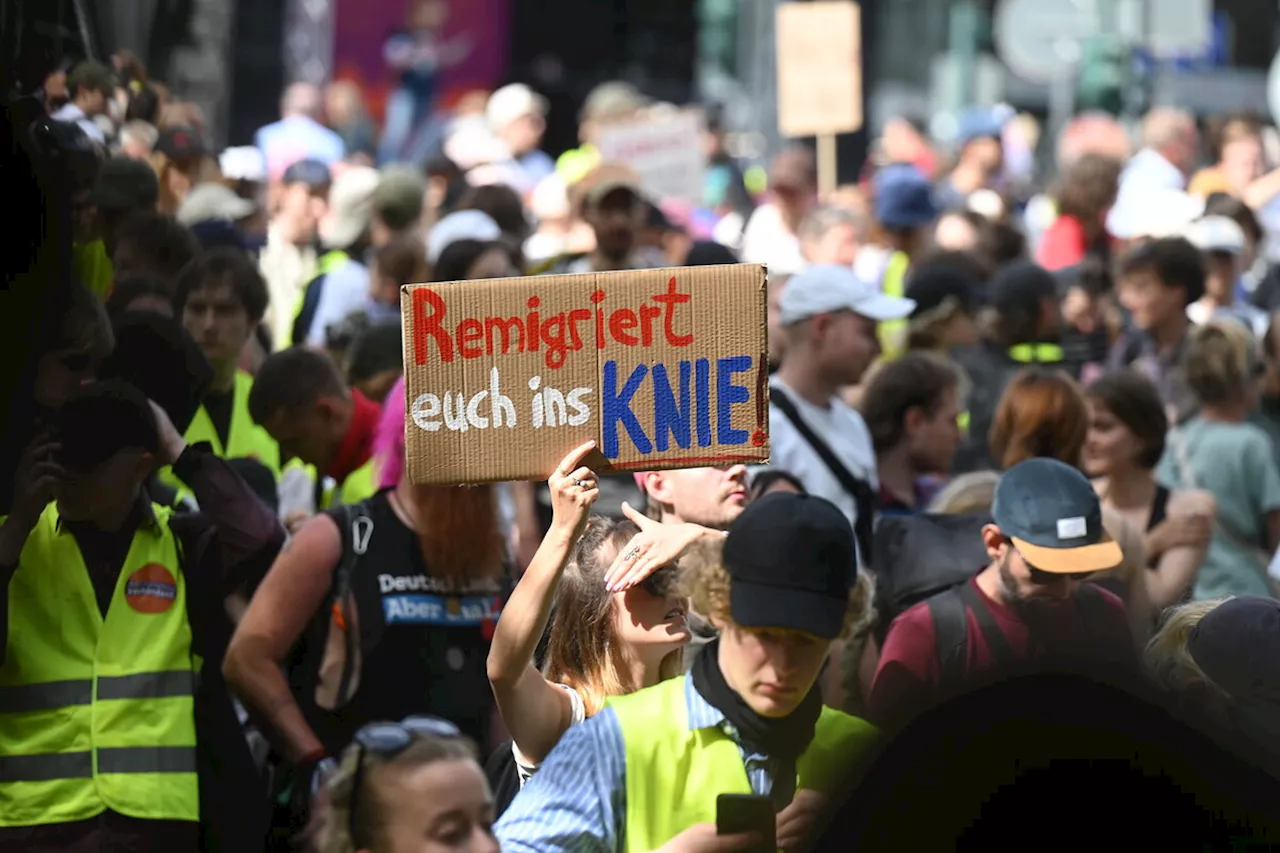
664	149
663	368
819	48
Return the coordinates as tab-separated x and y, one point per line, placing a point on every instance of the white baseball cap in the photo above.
1217	234
243	163
1153	213
462	225
213	201
827	288
512	102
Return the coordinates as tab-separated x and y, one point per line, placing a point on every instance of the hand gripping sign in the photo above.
663	368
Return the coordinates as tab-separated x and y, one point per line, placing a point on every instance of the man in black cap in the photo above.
124	186
1026	330
1028	605
645	772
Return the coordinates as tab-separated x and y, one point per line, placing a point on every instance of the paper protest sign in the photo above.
819	48
664	149
663	368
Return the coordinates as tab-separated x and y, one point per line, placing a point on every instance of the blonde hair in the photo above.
972	492
707	582
1169	663
583	650
333	830
1221	361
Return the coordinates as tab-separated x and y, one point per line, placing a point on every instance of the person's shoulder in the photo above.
1191	502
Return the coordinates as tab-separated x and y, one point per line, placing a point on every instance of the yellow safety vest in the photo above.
1040	353
324	265
245	439
95	713
360	484
893	333
93	266
674	774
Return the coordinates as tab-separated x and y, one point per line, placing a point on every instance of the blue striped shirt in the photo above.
577	801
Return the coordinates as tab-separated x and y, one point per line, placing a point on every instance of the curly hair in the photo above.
706	581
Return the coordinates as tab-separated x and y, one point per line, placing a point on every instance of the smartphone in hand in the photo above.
737	813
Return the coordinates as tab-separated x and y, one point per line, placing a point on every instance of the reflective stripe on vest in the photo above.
245	439
893	333
1036	353
674	775
97	712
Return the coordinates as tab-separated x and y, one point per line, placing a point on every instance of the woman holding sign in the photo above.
607	639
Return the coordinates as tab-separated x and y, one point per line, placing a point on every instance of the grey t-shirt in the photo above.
1237	464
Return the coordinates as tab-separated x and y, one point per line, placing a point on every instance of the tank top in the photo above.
423	643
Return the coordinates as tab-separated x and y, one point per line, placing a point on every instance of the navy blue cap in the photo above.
1237	644
792	561
1052	514
904	197
313	173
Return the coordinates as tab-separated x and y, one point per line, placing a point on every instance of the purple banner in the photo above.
475	30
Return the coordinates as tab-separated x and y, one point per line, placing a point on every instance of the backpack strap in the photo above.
307	312
863	496
1002	653
356	528
950	637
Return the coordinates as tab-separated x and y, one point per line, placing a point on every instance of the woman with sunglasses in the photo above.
407	787
618	626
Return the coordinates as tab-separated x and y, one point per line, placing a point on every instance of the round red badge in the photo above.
151	589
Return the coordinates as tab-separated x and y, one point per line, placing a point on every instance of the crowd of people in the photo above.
1011	432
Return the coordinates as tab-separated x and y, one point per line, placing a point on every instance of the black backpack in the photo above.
915	557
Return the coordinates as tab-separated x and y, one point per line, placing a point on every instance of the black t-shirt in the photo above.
423	641
220	407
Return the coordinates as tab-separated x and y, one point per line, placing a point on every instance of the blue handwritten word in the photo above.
681	413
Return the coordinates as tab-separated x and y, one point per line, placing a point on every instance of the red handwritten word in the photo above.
561	333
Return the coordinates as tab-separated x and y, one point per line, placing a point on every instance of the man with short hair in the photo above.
397	203
829	317
831	235
220	299
298	135
303	404
291	256
615	208
912	407
1170	151
147	242
91	85
1028	606
1156	283
644	774
517	116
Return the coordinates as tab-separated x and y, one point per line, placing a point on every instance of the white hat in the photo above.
512	102
462	225
827	288
213	201
1153	212
243	163
1217	234
350	207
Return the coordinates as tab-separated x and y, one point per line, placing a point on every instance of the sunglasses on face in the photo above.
389	740
1040	577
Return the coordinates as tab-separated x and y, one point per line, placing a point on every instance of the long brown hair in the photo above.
1042	413
458	532
583	650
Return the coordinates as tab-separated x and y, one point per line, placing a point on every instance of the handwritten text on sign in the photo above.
664	368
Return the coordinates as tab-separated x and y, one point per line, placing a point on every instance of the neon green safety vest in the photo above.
360	484
1041	353
245	439
674	775
95	713
325	264
893	333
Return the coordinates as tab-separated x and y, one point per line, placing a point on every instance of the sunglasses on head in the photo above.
388	740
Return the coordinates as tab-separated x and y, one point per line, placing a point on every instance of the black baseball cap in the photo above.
1021	286
1237	644
180	143
930	286
1052	514
101	420
158	356
125	184
792	561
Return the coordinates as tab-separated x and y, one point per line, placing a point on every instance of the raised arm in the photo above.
534	711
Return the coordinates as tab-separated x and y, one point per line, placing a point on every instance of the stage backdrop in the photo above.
361	28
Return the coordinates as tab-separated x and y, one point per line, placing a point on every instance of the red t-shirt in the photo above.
908	677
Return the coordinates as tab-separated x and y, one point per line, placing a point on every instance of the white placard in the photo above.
665	150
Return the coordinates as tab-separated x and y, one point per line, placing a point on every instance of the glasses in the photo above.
389	740
1040	577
